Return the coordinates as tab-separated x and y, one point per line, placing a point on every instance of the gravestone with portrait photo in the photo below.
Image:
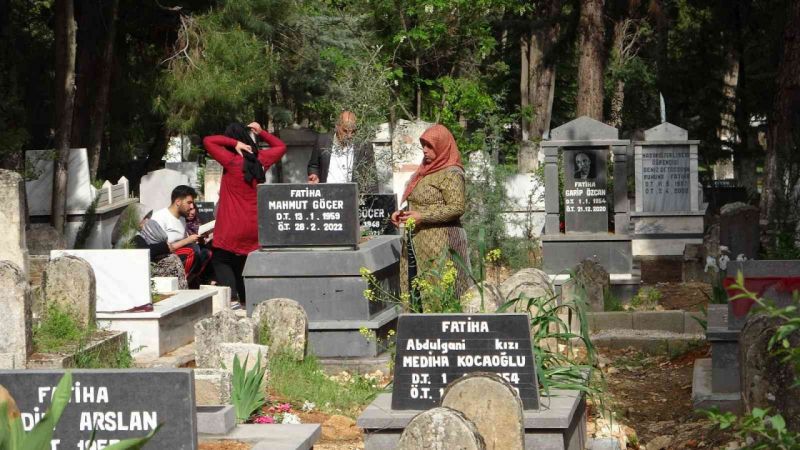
584	220
669	212
312	252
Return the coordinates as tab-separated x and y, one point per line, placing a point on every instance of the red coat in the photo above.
236	229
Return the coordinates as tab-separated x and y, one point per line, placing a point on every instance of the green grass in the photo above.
305	380
58	330
119	358
611	302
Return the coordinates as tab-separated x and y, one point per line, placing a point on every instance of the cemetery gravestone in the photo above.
16	339
375	214
80	192
303	215
436	349
491	403
286	324
441	429
69	281
212	178
116	404
585	205
13	246
665	178
188	168
225	326
205	211
155	188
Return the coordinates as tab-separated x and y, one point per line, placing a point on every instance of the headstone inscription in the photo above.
436	349
665	178
116	404
308	215
375	214
585	203
205	211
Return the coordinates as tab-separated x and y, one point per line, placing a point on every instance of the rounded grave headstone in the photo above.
440	429
69	283
492	404
527	283
283	325
471	301
224	326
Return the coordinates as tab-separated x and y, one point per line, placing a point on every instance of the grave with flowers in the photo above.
312	253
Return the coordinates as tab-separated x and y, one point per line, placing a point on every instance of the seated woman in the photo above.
436	202
164	263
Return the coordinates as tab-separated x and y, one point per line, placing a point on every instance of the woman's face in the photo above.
192	213
428	152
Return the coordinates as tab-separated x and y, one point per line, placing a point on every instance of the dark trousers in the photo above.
228	268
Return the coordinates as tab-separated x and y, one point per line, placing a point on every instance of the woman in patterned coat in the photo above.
436	202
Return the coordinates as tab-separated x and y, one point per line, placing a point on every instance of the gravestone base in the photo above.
666	233
328	285
716	381
102	345
563	251
560	423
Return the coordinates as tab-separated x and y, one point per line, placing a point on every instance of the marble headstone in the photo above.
156	187
122	276
665	178
585	199
211	181
13	244
80	192
188	168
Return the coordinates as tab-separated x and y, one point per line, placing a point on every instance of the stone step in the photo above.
272	436
647	341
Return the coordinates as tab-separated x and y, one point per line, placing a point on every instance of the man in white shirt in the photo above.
173	221
337	159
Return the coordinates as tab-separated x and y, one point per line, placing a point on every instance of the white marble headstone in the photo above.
156	187
188	168
123	276
39	192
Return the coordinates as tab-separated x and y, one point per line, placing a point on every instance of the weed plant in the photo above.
58	330
305	381
646	299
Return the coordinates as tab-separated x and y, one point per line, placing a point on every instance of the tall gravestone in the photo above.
16	339
586	148
669	210
13	246
155	188
212	178
311	253
69	282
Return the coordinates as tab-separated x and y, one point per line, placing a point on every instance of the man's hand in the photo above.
313	178
255	127
242	147
193	238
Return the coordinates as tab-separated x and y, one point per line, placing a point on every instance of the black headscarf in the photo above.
252	168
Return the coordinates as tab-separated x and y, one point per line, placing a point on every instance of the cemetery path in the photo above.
651	399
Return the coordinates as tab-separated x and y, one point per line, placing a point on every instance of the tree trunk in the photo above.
618	99
537	85
65	31
590	64
99	107
418	98
785	114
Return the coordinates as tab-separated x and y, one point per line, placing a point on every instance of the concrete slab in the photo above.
702	395
216	419
671	321
599	321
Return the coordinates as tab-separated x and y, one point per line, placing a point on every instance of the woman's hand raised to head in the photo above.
255	127
242	147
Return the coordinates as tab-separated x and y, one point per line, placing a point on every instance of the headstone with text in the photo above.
308	215
665	178
436	349
205	211
585	204
114	404
375	214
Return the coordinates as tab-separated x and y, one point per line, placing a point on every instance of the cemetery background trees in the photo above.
65	31
591	38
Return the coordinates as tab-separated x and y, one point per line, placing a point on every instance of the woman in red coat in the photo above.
236	228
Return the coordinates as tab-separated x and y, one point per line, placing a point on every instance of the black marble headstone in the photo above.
585	204
436	349
375	214
205	211
117	404
308	215
665	178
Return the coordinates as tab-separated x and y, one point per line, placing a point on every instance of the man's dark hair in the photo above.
182	191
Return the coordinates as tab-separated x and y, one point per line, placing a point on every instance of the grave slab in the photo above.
273	436
216	419
169	326
560	423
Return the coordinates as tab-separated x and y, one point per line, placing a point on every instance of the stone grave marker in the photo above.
212	178
156	187
441	429
665	178
69	282
375	214
80	192
188	168
433	350
286	324
225	326
585	179
738	229
117	404
122	276
492	404
16	338
13	245
206	211
306	215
